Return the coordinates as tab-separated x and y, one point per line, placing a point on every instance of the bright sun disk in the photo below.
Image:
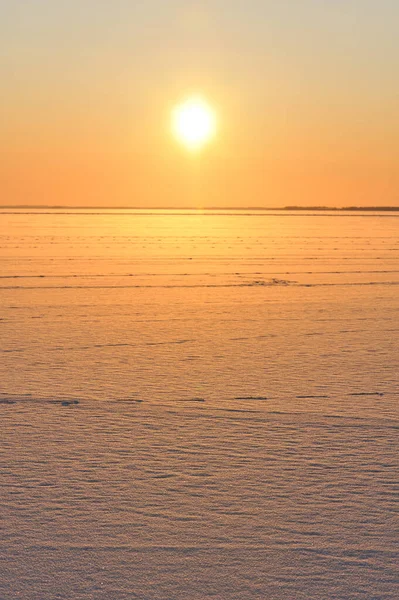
194	123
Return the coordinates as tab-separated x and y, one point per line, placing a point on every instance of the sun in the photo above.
194	122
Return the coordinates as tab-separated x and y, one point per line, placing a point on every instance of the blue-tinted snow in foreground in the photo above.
198	405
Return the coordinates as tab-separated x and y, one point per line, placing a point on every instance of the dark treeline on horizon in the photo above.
348	208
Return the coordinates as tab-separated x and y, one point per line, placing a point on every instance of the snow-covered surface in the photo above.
198	406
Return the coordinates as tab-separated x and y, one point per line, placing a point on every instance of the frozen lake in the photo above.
199	405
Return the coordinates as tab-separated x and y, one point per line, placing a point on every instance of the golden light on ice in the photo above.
194	123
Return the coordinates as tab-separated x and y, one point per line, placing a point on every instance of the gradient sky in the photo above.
307	93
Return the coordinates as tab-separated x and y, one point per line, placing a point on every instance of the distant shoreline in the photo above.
210	208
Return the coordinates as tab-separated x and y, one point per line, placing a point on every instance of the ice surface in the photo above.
199	406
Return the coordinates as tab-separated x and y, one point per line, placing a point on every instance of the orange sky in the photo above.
306	99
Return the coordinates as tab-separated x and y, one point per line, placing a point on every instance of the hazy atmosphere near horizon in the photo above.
305	94
199	307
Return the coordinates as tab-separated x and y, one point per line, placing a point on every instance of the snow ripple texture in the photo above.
198	405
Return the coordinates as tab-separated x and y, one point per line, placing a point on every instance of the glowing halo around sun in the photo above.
194	123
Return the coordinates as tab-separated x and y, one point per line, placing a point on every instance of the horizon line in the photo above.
196	208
